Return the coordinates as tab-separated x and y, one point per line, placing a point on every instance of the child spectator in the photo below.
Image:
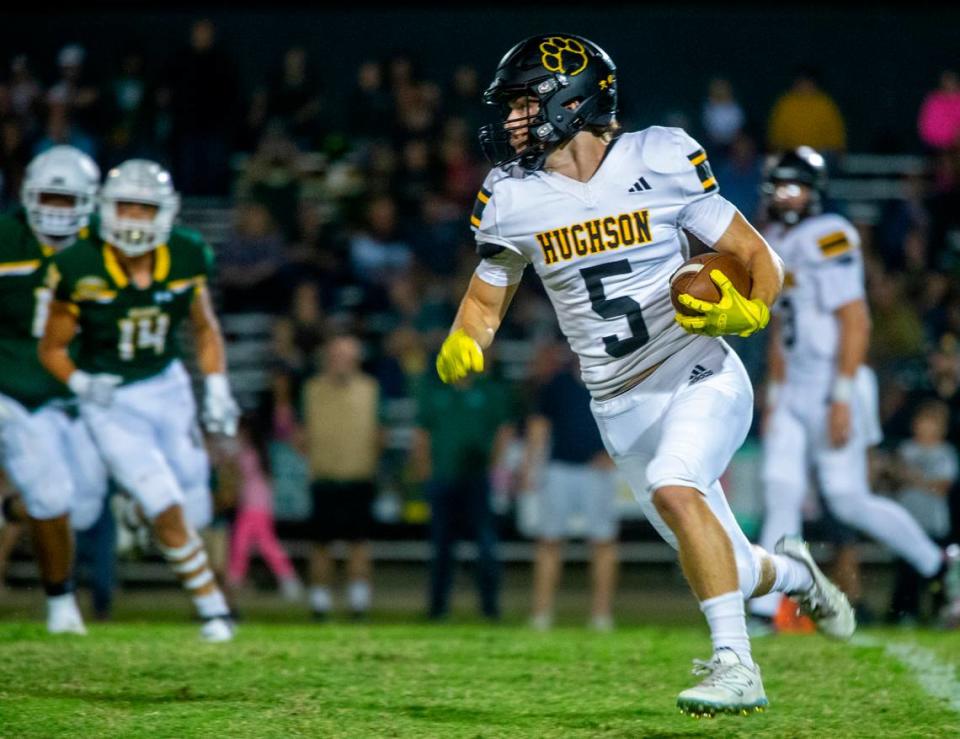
926	468
254	525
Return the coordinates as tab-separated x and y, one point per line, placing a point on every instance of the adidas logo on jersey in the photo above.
699	373
639	186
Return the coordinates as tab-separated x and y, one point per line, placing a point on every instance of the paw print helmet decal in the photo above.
569	84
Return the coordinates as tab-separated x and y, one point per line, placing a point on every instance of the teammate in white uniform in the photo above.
822	399
46	450
599	216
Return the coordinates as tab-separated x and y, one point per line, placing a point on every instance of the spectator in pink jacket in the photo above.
254	524
939	119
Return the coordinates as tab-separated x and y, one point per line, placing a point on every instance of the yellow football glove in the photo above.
459	356
734	314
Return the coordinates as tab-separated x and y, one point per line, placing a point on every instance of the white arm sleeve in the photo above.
502	269
707	218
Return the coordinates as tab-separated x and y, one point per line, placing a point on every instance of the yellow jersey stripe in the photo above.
19	268
707	184
113	267
475	221
699	158
483	198
161	263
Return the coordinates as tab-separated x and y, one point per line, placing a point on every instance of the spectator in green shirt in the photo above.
462	432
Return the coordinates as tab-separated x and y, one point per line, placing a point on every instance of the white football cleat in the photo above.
219	629
729	686
825	603
950	616
63	616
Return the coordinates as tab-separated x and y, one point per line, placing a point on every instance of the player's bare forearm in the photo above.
53	348
854	323
211	354
765	267
482	309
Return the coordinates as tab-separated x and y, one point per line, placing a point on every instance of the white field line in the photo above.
937	678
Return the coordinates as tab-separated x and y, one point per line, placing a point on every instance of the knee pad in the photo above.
155	492
672	469
198	507
85	511
47	491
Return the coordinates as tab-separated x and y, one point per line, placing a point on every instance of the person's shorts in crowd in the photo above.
342	510
577	500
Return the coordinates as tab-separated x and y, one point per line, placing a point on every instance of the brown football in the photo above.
693	278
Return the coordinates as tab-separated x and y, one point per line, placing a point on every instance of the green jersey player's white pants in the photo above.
681	426
53	463
152	444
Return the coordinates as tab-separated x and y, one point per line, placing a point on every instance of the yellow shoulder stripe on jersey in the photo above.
13	269
699	160
835	243
483	197
113	267
178	286
161	263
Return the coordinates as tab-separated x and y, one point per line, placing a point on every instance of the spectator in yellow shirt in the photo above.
806	115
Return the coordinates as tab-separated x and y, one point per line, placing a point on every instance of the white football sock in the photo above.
359	595
728	626
792	576
211	605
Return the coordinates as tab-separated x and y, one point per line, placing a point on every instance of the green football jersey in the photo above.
24	304
125	330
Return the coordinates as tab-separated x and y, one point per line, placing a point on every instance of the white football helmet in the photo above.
60	170
137	181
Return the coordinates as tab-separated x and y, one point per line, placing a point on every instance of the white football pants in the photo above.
52	461
797	442
681	426
153	446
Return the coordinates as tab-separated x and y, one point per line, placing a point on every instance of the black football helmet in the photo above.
800	166
556	70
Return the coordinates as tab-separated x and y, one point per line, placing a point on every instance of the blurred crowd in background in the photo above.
350	217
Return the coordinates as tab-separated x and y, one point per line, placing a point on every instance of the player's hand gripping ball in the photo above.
711	292
459	356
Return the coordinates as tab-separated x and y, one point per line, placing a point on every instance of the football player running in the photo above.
599	213
821	397
127	289
46	449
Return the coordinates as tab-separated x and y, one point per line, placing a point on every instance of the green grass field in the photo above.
464	679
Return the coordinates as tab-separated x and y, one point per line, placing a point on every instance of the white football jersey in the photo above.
605	249
823	269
